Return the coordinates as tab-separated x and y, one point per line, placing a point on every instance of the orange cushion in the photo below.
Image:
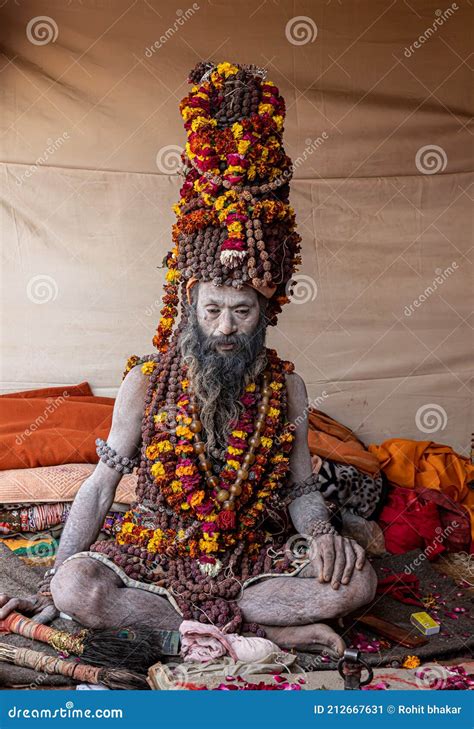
55	484
52	426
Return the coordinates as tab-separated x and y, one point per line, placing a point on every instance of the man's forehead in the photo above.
208	293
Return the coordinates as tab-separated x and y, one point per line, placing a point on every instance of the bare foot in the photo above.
314	637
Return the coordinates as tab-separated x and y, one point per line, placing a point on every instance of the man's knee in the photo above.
77	588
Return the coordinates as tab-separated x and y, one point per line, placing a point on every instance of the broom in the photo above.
133	648
113	678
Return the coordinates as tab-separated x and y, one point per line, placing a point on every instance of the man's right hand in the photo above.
39	608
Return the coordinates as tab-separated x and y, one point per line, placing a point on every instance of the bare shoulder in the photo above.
131	395
296	388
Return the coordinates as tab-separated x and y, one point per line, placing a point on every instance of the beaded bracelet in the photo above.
299	488
320	527
111	458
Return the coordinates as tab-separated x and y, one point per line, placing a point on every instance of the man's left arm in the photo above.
335	557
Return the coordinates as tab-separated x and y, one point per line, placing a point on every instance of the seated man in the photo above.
225	489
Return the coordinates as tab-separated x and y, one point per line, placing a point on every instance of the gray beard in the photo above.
218	380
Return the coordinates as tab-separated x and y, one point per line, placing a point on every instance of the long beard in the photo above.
218	380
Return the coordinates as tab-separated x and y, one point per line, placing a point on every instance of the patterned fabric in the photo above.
55	484
349	487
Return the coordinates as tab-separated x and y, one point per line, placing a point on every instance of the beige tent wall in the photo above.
378	110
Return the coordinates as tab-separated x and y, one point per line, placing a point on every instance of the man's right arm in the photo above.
96	495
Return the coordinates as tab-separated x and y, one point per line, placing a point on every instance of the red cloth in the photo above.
416	519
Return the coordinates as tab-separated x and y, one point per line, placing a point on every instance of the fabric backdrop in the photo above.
379	100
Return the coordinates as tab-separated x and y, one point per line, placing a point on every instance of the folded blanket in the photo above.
333	441
52	426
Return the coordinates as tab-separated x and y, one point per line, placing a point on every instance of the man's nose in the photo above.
227	323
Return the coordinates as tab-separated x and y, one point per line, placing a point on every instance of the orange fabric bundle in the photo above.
52	426
329	439
424	464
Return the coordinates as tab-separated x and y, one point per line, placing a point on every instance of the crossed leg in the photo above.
289	608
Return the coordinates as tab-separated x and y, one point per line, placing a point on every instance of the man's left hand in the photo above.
335	558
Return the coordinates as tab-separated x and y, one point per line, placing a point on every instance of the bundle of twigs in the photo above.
133	648
112	678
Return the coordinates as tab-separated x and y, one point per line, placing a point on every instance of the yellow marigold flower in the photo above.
251	172
166	322
278	119
151	451
181	534
242	146
227	69
266	442
210	545
157	469
262	108
164	446
198	122
184	419
235	451
182	431
172	275
197	498
202	94
233	464
411	662
258	506
176	486
276	385
184	383
239	434
126	528
148	367
185	506
235	168
219	203
235	227
237	130
251	387
273	412
161	417
278	458
185	470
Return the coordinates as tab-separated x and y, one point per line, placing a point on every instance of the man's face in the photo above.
223	311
